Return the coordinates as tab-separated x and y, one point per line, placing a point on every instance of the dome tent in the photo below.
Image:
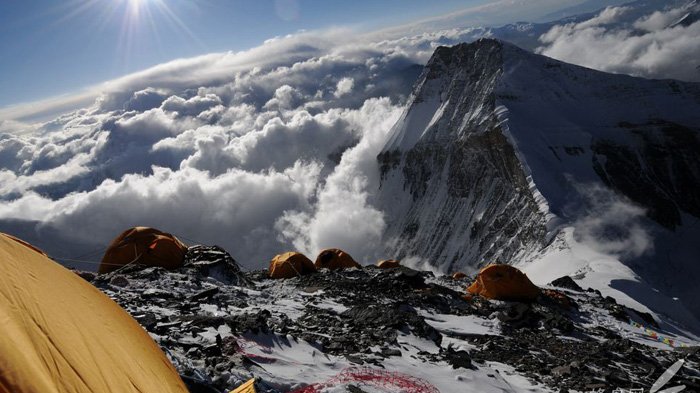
504	282
333	258
459	276
144	246
61	334
388	264
290	264
22	242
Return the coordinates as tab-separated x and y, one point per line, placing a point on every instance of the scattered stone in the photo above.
147	320
205	293
354	389
119	281
215	262
562	371
389	352
87	276
566	282
458	359
647	318
155	292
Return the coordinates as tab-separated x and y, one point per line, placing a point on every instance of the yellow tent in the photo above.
248	387
388	264
61	334
504	282
333	258
145	246
290	264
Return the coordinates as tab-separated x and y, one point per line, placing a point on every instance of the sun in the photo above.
136	5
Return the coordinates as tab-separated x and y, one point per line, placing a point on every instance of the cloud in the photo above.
493	13
344	215
49	108
216	201
652	46
611	224
191	107
659	20
344	87
222	161
146	99
16	127
237	205
285	97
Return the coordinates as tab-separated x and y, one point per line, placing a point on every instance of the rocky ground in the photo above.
222	326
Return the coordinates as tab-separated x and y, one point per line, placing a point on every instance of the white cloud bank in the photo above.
254	151
611	224
659	45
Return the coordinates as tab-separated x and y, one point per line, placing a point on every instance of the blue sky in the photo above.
52	47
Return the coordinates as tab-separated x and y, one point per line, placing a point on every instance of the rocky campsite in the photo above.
222	326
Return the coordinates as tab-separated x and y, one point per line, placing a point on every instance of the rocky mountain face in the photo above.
398	330
500	150
452	185
657	171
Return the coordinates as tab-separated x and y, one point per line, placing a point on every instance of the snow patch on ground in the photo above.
462	325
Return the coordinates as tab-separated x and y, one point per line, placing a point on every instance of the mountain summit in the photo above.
504	155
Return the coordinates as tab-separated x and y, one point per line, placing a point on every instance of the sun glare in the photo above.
136	5
141	21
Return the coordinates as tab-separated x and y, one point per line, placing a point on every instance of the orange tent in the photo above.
22	242
61	334
143	246
459	276
333	258
290	264
388	264
504	282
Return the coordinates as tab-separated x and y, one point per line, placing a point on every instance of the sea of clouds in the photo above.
259	151
265	150
657	44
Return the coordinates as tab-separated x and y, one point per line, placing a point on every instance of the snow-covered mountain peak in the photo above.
501	153
453	76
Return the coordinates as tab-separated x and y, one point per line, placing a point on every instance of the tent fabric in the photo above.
333	259
290	264
504	282
61	334
22	242
144	246
248	387
388	264
459	276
